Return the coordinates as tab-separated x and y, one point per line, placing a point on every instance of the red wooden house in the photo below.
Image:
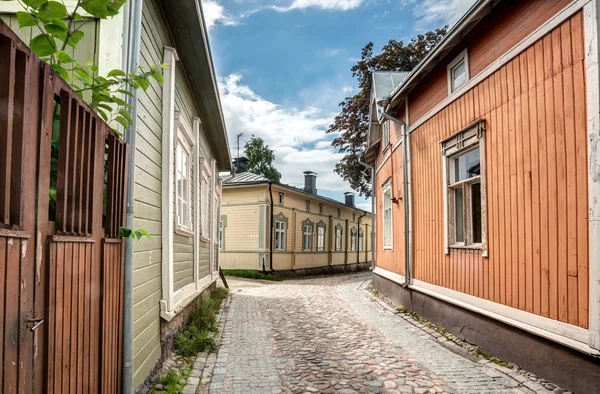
487	185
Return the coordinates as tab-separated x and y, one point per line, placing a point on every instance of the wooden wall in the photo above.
536	161
510	22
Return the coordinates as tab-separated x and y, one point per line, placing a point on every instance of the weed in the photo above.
493	359
170	378
249	274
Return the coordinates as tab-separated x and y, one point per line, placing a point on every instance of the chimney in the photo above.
310	182
349	199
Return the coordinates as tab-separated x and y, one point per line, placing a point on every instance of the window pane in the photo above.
459	76
458	218
465	166
476	211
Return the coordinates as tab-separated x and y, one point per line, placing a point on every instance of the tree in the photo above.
261	158
352	123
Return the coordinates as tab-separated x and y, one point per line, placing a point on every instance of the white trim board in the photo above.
186	297
540	32
592	78
563	333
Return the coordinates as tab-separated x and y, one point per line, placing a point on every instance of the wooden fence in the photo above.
61	256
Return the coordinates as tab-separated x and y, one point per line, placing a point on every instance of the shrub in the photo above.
249	274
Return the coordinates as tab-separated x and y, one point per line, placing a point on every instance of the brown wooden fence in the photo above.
61	256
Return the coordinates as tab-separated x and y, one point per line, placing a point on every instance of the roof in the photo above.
245	178
480	9
186	21
249	179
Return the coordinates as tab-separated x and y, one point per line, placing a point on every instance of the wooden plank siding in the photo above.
536	184
494	35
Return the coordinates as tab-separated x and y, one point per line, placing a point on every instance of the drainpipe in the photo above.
271	231
406	198
131	55
373	213
357	234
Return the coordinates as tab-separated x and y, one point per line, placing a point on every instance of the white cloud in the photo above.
437	13
342	5
365	207
332	52
297	135
216	14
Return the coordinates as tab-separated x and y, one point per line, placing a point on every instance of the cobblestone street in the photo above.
327	335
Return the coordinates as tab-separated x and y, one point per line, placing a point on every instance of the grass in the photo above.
249	274
198	335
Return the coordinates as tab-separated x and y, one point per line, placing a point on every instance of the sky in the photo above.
283	67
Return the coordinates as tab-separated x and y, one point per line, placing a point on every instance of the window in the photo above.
388	238
182	183
320	238
353	240
354	217
385	134
360	240
321	209
465	175
458	72
205	202
307	237
338	238
222	232
280	198
339	213
307	205
280	231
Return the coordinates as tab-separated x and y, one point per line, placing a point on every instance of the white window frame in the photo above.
280	235
205	199
466	140
221	233
385	134
307	230
462	57
281	198
321	208
320	238
338	238
353	240
360	240
185	144
307	205
387	190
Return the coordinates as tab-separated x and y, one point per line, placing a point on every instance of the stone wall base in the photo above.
559	364
327	270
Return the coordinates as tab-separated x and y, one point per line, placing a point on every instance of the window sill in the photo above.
204	239
183	231
388	248
467	247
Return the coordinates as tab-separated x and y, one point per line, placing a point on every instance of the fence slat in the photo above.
62	184
7	76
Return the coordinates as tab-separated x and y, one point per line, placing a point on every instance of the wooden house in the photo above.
272	227
487	185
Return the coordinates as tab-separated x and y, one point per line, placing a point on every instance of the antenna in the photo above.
238	149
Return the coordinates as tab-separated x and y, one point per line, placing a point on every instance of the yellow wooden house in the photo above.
273	227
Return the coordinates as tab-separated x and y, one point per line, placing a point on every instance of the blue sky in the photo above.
284	66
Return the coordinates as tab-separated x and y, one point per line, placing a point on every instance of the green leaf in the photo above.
143	83
96	8
83	74
77	17
125	92
43	45
105	106
35	3
53	10
116	73
143	233
125	232
58	29
126	115
61	71
64	58
103	114
159	77
122	121
165	65
25	19
74	38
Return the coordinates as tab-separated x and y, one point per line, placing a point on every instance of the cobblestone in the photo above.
325	335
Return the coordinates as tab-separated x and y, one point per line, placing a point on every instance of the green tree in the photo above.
352	124
261	158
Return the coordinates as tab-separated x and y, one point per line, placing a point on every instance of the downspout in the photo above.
373	213
271	231
363	239
131	58
405	199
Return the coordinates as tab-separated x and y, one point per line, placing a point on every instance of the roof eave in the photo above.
186	22
479	10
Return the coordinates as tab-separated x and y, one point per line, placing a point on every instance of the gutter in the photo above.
405	199
131	57
271	230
